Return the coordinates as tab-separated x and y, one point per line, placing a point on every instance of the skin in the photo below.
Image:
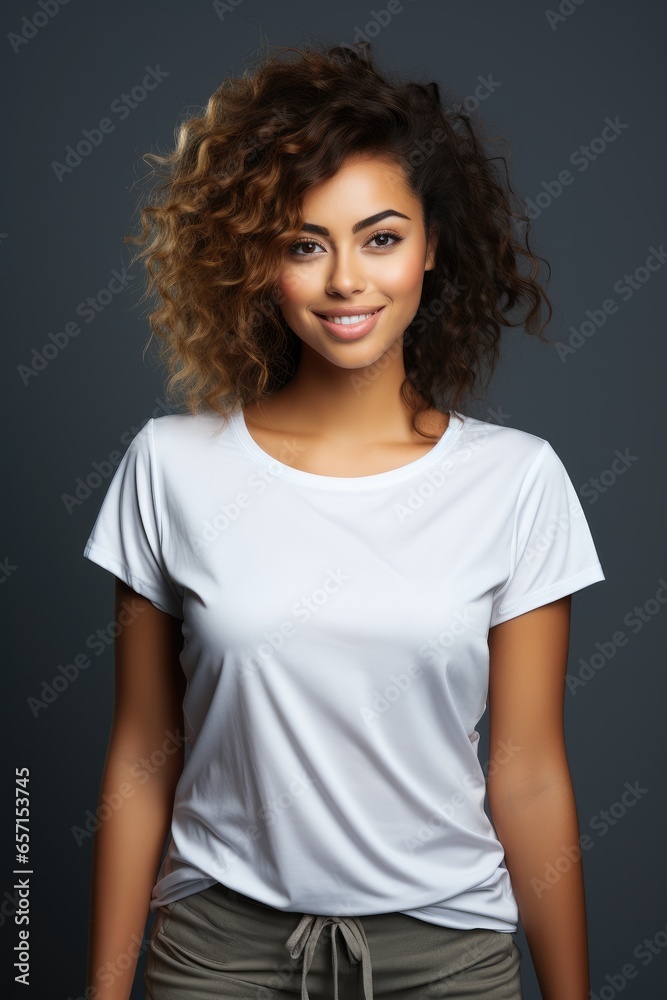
531	795
342	415
127	847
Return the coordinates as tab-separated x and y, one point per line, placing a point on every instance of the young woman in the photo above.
326	567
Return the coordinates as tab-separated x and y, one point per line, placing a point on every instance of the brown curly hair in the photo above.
215	235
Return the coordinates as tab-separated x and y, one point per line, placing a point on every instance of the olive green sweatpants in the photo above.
220	944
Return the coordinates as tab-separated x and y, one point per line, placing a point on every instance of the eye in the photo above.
385	234
383	241
304	243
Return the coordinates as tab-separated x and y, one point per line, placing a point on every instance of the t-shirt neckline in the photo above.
278	468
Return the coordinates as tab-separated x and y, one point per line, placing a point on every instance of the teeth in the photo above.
349	320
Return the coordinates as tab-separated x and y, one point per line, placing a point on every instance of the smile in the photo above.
350	327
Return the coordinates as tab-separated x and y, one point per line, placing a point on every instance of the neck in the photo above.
349	404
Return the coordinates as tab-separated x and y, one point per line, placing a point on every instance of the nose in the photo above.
346	275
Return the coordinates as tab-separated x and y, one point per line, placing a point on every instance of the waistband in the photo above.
303	942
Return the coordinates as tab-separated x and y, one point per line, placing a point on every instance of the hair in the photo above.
215	234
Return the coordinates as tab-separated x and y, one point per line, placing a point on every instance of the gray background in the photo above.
61	240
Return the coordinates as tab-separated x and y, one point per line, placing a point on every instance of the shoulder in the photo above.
503	447
179	432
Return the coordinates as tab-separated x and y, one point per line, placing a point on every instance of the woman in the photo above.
329	566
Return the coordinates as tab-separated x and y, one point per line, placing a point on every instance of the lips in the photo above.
350	326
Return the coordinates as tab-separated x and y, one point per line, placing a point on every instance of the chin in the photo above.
361	359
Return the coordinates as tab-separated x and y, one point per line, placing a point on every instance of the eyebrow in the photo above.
310	227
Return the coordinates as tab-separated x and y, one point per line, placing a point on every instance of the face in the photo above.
347	261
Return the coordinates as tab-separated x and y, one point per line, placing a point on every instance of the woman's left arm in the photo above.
531	795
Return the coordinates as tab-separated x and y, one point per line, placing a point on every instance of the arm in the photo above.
531	795
127	848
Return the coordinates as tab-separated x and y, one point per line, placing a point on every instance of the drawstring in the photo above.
304	940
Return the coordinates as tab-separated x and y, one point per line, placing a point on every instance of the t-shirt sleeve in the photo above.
126	537
553	553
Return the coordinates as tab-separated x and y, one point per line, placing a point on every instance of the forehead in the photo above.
364	181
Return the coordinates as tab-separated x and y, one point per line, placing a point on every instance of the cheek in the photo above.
294	286
405	277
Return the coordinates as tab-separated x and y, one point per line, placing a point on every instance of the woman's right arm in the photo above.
144	761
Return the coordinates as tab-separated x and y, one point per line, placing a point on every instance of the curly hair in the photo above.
215	235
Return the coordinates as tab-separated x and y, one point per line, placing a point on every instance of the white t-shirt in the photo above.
335	647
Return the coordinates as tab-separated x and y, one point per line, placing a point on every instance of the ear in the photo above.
430	251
